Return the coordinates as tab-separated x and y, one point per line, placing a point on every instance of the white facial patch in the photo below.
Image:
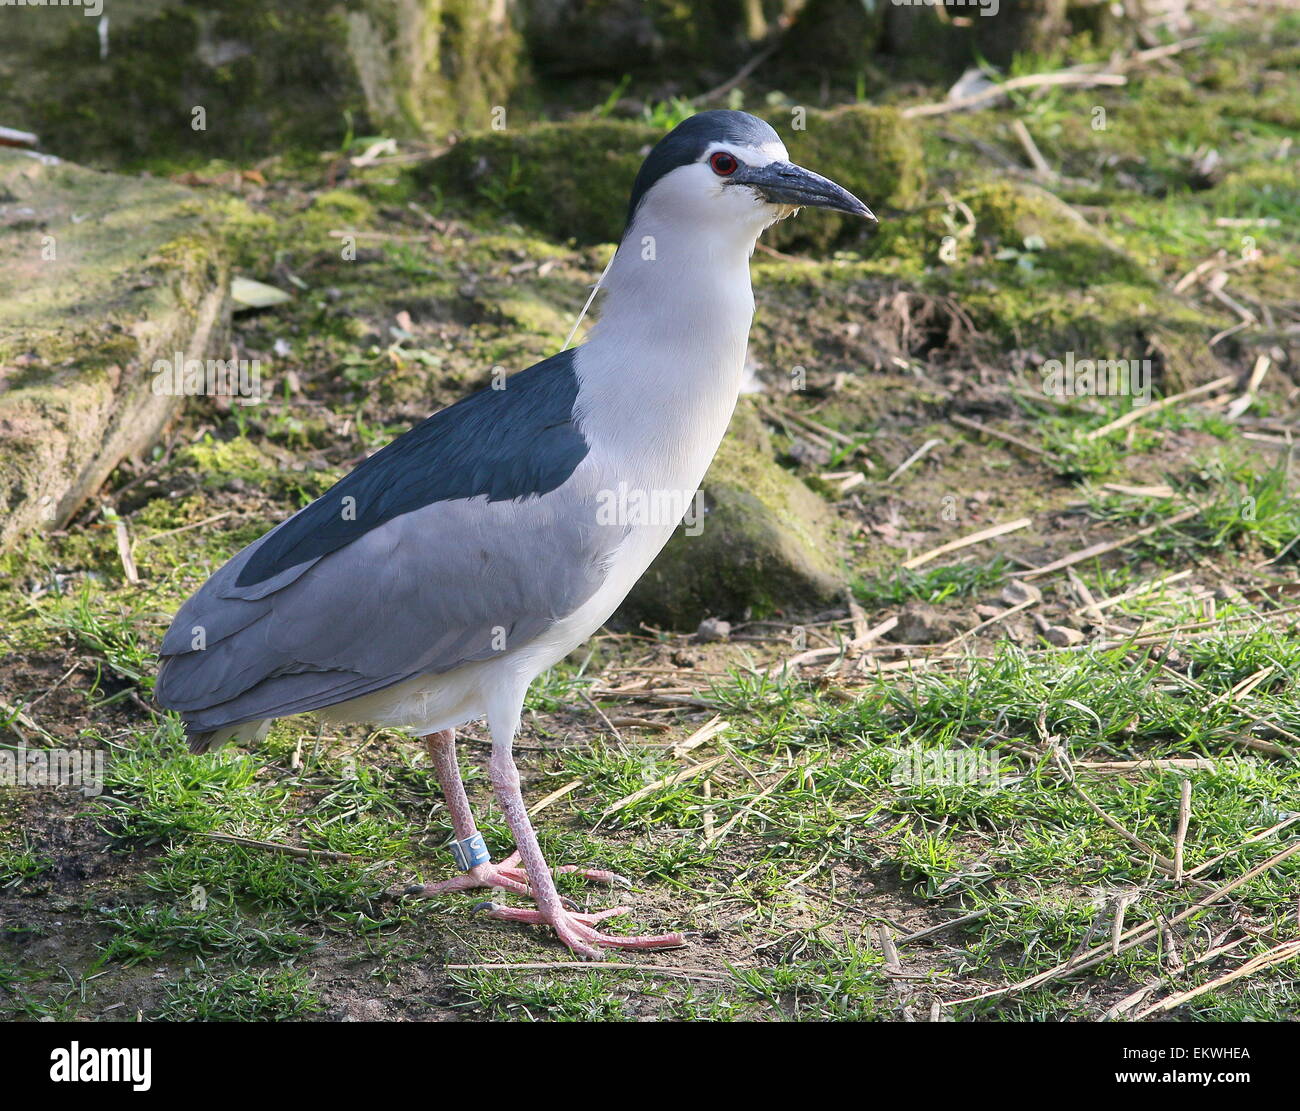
752	156
696	195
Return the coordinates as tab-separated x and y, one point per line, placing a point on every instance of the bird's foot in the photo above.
509	875
577	932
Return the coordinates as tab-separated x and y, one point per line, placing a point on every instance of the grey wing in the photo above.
447	584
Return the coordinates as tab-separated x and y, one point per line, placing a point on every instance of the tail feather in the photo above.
213	739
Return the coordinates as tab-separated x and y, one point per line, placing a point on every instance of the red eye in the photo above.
723	163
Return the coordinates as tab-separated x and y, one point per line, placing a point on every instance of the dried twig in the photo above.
816	655
702	735
1135	936
1035	156
1279	954
1029	81
1180	836
667	781
1139	412
274	846
967	541
1264	836
554	796
914	458
985	430
1106	546
12	137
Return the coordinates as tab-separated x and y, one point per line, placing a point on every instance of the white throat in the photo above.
661	371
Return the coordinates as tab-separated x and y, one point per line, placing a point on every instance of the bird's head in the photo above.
730	168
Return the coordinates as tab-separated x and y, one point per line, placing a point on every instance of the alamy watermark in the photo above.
92	8
1074	377
102	1065
627	505
946	767
178	376
986	7
53	767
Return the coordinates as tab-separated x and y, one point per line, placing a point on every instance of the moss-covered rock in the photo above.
185	80
1034	274
572	180
99	277
765	543
569	180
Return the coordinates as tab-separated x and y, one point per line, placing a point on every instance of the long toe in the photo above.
486	875
512	866
577	930
597	875
537	918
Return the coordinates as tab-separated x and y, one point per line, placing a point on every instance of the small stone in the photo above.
919	623
808	454
713	629
1062	636
1017	593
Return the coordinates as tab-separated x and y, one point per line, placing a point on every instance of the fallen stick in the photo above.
667	781
1132	1000
1164	403
815	655
749	807
12	137
1134	936
915	457
554	796
985	430
123	537
1184	818
1249	841
1017	608
1030	81
1139	590
1279	954
1244	402
967	541
1124	767
1104	547
702	735
1035	156
274	846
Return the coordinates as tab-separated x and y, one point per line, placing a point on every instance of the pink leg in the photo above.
575	930
507	875
442	749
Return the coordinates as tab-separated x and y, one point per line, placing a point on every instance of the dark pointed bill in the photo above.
786	183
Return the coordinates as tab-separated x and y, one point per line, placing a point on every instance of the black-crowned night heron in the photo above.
430	586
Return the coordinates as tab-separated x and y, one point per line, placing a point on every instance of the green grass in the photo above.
242	995
21	863
933	585
814	832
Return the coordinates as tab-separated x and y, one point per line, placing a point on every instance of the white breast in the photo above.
657	384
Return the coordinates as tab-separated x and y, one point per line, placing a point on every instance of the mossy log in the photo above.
100	276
